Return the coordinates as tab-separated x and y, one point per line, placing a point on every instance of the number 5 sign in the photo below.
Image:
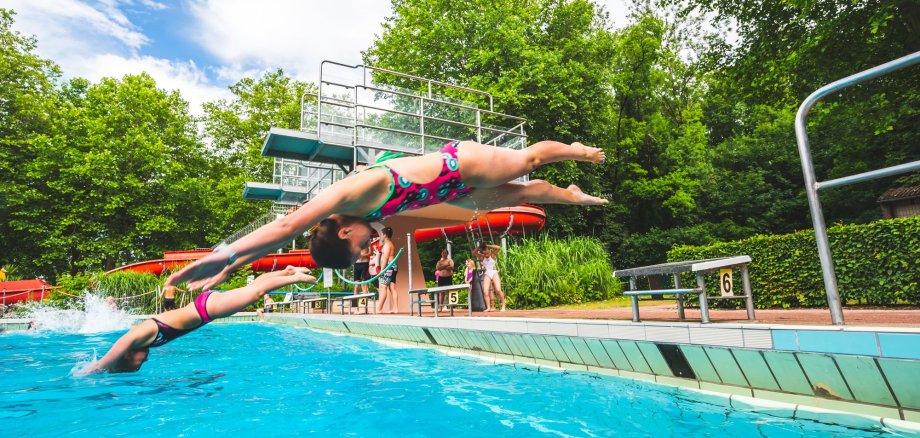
725	282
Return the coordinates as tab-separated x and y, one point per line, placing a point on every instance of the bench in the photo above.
700	267
355	301
287	301
452	300
311	302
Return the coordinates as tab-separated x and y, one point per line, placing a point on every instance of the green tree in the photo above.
28	105
126	172
545	60
236	129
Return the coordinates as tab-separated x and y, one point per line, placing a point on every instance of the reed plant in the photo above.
132	290
544	272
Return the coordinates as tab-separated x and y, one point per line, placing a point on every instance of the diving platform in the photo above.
358	113
256	191
306	146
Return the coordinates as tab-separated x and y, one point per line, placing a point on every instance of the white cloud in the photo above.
291	34
62	20
170	75
97	40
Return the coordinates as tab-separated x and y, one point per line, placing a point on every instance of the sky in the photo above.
202	46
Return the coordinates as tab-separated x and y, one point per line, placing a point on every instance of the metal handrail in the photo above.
364	69
812	185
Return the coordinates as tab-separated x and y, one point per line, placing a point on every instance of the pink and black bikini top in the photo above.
166	332
408	195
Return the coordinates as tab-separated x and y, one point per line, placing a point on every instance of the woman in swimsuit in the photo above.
130	351
465	174
486	255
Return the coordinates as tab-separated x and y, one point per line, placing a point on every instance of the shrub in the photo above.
876	264
545	272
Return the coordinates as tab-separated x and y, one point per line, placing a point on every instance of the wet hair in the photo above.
327	248
388	232
481	246
124	364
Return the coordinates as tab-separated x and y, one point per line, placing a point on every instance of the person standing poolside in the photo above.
362	266
131	350
463	173
486	255
468	272
445	271
169	297
387	288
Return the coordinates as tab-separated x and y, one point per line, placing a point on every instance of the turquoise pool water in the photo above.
249	379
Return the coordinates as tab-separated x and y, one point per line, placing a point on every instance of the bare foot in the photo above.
594	155
503	308
583	198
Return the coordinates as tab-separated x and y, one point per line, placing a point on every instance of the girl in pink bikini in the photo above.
463	173
131	350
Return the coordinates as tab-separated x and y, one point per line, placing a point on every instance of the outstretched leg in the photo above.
224	304
534	191
484	166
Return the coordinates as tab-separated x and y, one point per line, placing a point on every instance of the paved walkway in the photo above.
908	316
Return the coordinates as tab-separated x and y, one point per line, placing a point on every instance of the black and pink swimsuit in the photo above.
166	332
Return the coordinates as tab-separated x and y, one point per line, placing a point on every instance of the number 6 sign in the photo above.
725	282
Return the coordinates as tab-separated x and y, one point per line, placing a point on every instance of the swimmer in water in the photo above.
131	350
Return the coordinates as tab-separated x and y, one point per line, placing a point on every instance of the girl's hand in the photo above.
204	273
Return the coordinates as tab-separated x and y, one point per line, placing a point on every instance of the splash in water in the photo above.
93	315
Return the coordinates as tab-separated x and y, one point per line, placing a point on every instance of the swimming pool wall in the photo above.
869	371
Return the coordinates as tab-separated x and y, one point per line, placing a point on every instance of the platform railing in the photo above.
812	185
398	119
306	178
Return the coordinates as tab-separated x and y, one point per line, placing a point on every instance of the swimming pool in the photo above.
281	380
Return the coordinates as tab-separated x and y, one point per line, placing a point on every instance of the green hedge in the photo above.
545	272
876	264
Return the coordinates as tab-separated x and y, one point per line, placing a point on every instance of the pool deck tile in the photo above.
637	376
785	397
716	336
726	389
788	372
725	365
835	417
616	354
900	426
677	381
859	408
864	379
900	345
700	363
848	342
911	415
824	376
902	377
755	369
635	357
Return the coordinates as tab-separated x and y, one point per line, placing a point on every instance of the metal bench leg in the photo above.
746	281
680	298
436	308
704	303
634	299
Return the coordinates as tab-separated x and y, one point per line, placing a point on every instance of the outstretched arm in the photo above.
216	267
139	336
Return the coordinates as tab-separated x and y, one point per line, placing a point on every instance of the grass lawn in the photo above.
613	302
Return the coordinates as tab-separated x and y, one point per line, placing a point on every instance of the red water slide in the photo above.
515	221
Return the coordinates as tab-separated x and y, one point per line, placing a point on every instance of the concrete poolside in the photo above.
667	312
